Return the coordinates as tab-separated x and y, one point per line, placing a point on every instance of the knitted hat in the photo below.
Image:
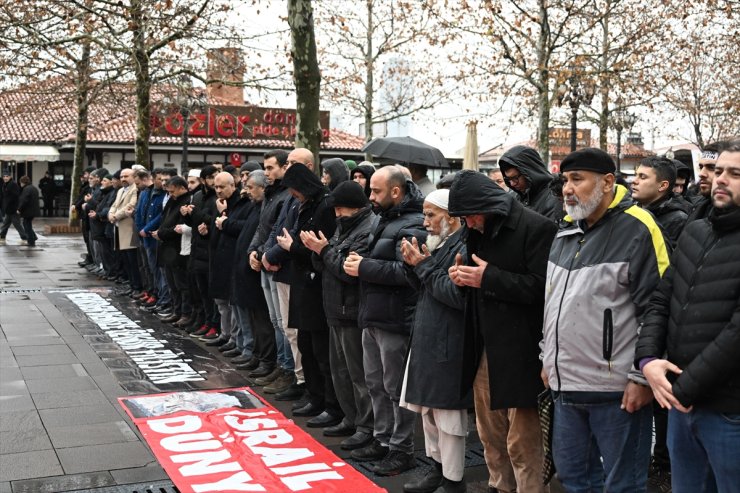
194	173
589	159
440	198
349	194
117	174
249	166
351	164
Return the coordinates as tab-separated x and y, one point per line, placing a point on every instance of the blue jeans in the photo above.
704	447
590	423
243	338
284	353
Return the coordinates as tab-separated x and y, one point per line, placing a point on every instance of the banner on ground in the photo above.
230	440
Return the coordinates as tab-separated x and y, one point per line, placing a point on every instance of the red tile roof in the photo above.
45	113
628	150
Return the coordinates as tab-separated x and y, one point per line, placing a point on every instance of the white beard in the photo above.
584	209
436	241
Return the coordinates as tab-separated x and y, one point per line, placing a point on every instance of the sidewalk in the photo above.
61	427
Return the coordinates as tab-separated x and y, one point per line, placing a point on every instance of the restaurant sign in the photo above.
560	137
233	122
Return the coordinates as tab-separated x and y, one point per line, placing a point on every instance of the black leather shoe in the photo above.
227	347
309	409
341	430
395	463
231	353
217	342
174	317
262	370
241	359
323	420
292	393
448	486
359	440
372	451
428	483
249	365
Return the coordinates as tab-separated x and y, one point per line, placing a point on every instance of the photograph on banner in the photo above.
231	440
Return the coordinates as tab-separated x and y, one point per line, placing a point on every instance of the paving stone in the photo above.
38	350
139	474
12	442
52	400
5	487
35	341
96	368
11	403
39	331
13	387
27	465
47	359
20	420
70	384
64	483
53	371
8	362
76	416
10	375
104	457
97	434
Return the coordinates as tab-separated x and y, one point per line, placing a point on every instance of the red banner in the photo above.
230	440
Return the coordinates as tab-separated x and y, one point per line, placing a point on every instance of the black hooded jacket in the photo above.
337	170
205	211
538	196
670	214
702	208
694	315
387	296
306	311
367	171
504	316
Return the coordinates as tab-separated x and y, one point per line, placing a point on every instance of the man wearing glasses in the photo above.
526	174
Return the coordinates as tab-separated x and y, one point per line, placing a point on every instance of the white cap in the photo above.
194	173
440	198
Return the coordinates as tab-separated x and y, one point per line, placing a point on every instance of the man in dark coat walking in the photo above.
48	192
432	383
11	193
387	305
28	208
526	174
507	246
341	301
691	329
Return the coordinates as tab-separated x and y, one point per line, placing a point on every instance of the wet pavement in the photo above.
61	427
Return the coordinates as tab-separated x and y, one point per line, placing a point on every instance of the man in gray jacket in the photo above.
604	264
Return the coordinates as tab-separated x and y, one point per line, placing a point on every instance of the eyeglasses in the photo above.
514	179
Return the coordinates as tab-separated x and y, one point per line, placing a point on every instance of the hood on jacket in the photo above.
303	180
529	163
367	171
474	193
337	170
669	203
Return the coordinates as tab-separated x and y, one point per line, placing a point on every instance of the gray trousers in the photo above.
384	354
227	319
348	376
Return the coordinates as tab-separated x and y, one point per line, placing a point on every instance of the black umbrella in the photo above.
406	150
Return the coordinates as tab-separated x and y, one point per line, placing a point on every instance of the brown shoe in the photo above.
285	380
183	321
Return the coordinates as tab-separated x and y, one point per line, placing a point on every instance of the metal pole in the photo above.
573	125
619	150
185	112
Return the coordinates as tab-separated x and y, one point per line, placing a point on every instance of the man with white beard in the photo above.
432	384
605	263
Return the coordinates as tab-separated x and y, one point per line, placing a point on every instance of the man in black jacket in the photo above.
526	174
28	208
387	304
507	248
703	200
694	319
652	188
11	194
82	215
341	300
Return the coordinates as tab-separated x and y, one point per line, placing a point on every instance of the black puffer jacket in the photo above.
694	315
388	299
702	208
99	225
538	196
670	214
204	212
342	292
275	197
168	247
11	194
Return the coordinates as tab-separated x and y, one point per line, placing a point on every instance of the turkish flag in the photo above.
235	159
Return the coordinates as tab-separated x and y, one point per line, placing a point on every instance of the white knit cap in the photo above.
440	198
194	173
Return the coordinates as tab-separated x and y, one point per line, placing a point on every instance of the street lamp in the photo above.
186	102
575	92
622	120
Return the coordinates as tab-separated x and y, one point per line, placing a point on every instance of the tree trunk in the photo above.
605	82
369	80
143	85
83	90
543	87
306	76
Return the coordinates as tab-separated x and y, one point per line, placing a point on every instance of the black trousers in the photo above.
28	229
131	264
263	332
106	251
212	316
177	281
15	220
314	348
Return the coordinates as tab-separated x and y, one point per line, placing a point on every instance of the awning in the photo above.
28	153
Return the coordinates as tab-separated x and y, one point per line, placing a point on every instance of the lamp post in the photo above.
185	101
575	92
622	120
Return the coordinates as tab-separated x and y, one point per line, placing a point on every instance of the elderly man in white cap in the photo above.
432	384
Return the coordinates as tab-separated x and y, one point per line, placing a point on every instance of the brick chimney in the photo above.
226	64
